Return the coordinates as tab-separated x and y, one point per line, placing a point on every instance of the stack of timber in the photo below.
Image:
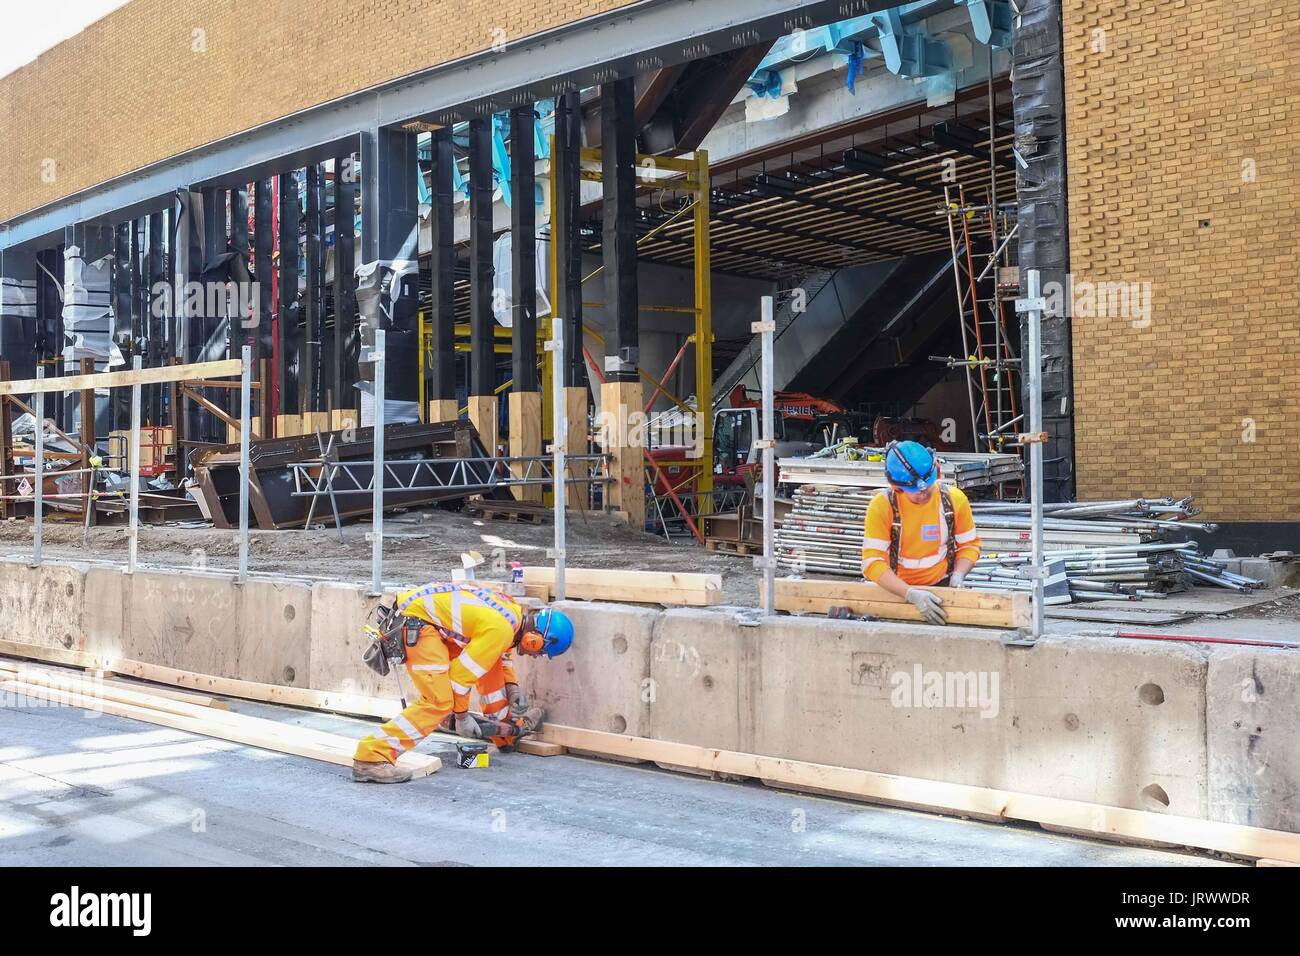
627	587
190	713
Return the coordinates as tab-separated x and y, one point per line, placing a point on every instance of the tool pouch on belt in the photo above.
389	645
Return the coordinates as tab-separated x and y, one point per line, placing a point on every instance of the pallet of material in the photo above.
629	587
529	512
978	608
118	701
1089	819
729	546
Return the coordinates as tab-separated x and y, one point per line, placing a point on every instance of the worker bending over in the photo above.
456	637
919	532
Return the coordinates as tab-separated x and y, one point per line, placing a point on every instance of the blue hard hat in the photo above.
556	630
910	465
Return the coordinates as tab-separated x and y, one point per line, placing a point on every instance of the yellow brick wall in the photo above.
1183	137
157	77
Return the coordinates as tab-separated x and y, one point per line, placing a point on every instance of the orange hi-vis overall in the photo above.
922	537
466	647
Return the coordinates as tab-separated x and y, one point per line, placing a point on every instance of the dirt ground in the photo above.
419	546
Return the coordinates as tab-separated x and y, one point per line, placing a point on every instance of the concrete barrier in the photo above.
1253	735
893	698
103	611
339	612
1152	726
603	682
699	670
1116	722
43	605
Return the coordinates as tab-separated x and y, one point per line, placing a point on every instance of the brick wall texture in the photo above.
158	77
1183	137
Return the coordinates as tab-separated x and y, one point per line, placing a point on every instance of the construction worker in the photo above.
466	634
919	532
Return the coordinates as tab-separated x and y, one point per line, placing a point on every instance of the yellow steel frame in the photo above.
693	179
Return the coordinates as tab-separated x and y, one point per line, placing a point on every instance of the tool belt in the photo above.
389	641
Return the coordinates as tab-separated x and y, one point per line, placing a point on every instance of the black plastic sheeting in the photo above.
1038	96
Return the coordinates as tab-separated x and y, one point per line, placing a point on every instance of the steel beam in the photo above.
123	312
390	206
155	270
566	166
309	364
482	358
523	259
625	41
289	310
344	367
618	242
263	255
442	318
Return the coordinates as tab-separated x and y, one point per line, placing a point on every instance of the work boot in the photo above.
378	771
532	719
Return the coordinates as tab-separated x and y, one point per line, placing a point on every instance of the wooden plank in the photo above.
627	489
210	407
255	732
53	655
443	410
197	700
644	587
483	416
525	409
1115	823
539	748
355	704
145	376
981	608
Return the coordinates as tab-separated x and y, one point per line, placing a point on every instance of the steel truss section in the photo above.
323	477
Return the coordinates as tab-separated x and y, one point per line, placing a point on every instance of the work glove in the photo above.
956	578
467	726
515	697
929	604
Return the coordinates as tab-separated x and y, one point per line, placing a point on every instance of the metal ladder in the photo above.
992	369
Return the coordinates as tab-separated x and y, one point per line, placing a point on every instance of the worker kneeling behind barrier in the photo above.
452	639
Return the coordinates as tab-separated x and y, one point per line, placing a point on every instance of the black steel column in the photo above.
390	203
263	254
482	324
1038	94
523	250
286	362
156	323
442	315
344	365
123	317
313	320
18	322
618	244
567	165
